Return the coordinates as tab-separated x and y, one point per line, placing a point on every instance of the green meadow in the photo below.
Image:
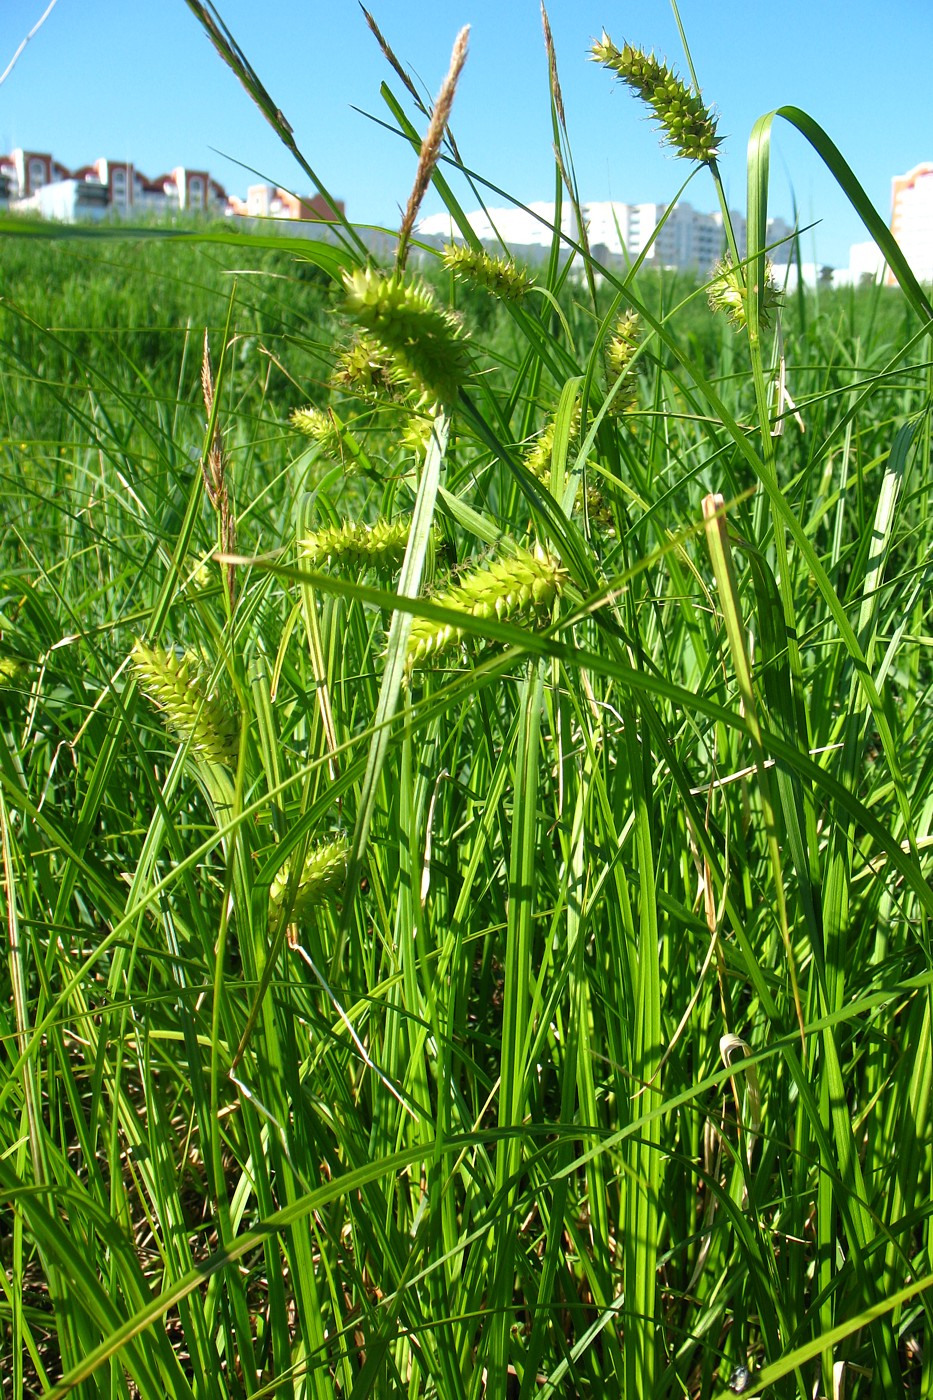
466	810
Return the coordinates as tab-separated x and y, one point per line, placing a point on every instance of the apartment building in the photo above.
912	219
677	237
270	202
181	188
34	180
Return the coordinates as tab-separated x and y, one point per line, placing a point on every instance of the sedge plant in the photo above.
465	808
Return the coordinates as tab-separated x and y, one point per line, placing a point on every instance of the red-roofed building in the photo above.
270	202
35	180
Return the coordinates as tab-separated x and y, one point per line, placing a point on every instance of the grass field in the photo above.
466	808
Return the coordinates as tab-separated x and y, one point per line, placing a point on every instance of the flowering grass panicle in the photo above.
215	470
322	873
688	124
501	276
519	585
728	294
380	546
175	684
425	342
431	146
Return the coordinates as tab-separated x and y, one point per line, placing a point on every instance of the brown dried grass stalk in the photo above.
431	145
390	57
214	471
552	68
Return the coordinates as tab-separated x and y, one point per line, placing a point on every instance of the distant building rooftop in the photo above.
34	180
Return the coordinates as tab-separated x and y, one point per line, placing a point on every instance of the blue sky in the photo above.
138	80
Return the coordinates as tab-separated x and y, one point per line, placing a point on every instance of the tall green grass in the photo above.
489	954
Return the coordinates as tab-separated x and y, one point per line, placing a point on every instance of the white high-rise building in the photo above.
678	237
912	219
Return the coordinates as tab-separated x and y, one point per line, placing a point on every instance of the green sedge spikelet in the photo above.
618	354
689	126
427	344
380	546
319	426
729	294
623	342
416	434
322	874
500	276
11	671
518	585
175	685
367	368
598	511
198	576
538	460
330	432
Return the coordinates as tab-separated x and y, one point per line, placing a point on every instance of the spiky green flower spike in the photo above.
728	293
501	276
322	874
538	457
688	125
320	426
514	586
367	368
426	342
10	671
618	354
379	546
175	685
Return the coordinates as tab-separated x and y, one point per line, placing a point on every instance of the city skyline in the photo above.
670	236
674	236
147	78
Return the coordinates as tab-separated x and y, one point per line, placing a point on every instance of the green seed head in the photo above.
498	275
688	125
367	368
322	874
425	343
320	426
538	456
729	294
416	434
11	671
175	685
199	574
598	511
379	546
519	585
620	348
538	460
